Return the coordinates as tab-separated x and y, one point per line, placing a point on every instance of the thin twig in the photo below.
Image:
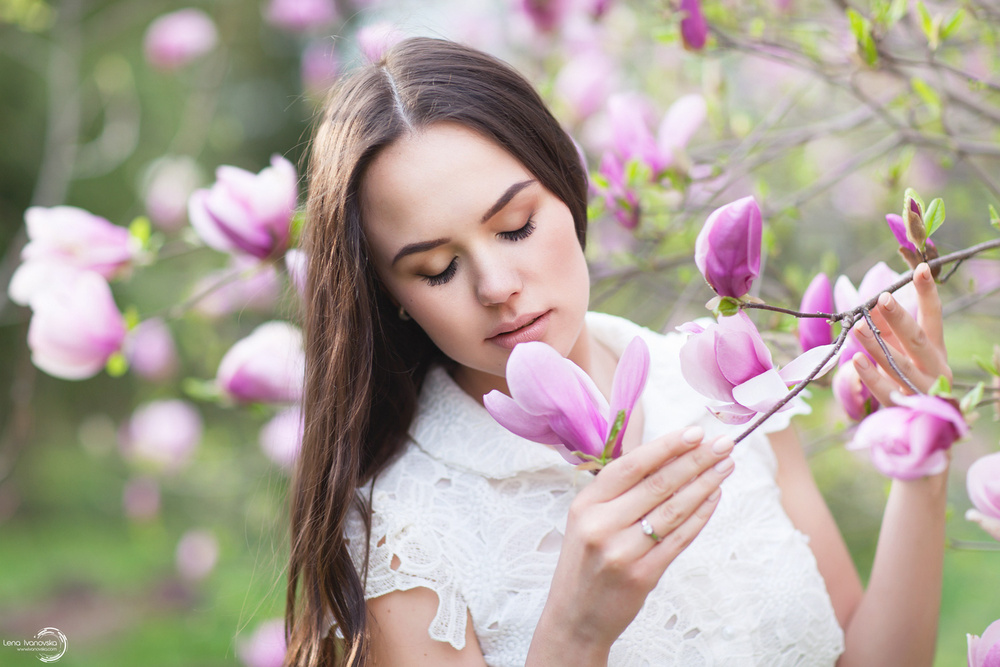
885	350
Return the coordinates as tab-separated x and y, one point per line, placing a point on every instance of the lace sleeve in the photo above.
407	551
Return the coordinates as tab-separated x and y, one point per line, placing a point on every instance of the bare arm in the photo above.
894	622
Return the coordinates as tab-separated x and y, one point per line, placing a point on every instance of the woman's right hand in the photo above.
608	564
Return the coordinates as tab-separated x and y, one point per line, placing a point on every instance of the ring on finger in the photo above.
647	530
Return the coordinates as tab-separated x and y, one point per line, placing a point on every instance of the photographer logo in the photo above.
49	644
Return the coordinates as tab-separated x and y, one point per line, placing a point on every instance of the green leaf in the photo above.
927	94
117	365
951	24
987	366
609	444
926	22
971	399
934	217
141	230
131	316
994	217
201	390
862	30
728	306
941	387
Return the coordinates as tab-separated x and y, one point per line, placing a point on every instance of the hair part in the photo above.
364	365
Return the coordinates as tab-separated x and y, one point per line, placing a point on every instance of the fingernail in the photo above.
886	301
724	466
864	330
861	361
723	446
714	495
693	434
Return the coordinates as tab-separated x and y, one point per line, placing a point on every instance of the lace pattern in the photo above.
477	515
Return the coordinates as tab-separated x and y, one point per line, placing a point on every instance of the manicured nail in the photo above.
886	301
723	446
864	330
693	434
724	466
861	361
714	495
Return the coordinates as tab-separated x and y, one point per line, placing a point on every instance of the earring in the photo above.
403	315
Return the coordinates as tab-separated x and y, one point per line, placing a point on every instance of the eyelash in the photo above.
516	235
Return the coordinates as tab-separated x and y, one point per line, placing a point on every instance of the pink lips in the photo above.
522	330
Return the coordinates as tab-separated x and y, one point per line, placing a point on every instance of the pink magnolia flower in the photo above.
818	298
586	80
319	68
545	15
268	366
898	228
694	28
75	327
985	651
911	440
167	185
852	394
729	362
63	240
173	40
196	555
162	435
281	437
620	199
247	213
554	402
150	350
246	284
301	15
632	138
375	39
265	647
879	277
727	250
983	484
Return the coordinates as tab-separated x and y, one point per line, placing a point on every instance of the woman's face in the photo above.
475	249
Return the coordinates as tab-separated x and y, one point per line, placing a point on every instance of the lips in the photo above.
520	330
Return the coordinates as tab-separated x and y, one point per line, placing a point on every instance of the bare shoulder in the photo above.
399	632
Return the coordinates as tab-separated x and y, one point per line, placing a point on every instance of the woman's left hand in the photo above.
916	346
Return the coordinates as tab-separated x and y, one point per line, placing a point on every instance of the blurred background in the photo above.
143	507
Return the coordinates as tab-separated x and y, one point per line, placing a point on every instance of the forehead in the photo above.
438	176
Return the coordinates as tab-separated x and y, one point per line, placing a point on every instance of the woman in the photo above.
447	217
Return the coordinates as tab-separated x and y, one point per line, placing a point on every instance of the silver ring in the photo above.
648	531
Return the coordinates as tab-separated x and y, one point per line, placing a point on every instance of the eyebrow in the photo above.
503	200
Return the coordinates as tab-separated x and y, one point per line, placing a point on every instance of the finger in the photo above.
929	305
876	381
920	379
666	550
629	469
673	478
910	337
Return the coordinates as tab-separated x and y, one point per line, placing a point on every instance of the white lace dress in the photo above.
476	514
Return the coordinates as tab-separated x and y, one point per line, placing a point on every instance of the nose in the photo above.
497	280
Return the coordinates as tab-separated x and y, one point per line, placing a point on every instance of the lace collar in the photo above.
454	428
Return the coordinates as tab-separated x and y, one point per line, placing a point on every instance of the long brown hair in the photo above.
365	365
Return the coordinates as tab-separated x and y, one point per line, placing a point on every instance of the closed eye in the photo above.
522	233
444	276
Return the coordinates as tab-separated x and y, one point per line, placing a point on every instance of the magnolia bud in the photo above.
916	232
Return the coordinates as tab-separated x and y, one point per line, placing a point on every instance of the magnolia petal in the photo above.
742	322
845	295
700	368
762	392
799	368
628	382
983	484
731	413
519	422
736	358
